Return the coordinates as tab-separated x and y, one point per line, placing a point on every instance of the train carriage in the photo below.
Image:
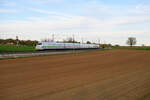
55	45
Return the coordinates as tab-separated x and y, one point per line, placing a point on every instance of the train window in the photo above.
39	43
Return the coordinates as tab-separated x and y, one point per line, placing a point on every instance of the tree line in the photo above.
18	42
131	41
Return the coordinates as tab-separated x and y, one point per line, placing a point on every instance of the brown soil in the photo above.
97	75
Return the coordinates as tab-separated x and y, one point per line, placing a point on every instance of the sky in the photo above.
107	21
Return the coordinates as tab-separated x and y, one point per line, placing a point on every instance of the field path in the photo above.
94	75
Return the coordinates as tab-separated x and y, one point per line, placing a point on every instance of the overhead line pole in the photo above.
73	44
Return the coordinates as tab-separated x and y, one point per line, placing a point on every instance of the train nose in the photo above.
38	47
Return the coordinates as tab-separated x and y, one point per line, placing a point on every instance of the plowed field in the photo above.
96	75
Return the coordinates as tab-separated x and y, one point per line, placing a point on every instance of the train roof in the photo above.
67	43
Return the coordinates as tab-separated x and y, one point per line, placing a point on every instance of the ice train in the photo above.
55	45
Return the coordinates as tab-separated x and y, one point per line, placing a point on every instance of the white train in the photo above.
54	45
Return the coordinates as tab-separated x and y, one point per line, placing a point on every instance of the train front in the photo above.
39	46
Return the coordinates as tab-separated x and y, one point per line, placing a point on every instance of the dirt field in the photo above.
97	75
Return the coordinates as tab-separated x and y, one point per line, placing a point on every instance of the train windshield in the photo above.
39	43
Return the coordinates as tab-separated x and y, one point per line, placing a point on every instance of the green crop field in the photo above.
12	48
140	48
133	48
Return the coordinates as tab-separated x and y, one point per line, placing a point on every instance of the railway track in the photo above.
6	55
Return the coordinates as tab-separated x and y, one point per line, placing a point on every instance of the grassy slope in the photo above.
10	48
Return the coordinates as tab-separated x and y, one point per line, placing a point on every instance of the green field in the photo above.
133	48
141	48
12	48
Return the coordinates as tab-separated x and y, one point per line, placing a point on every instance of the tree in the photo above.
143	45
70	40
21	42
88	42
117	45
131	41
47	40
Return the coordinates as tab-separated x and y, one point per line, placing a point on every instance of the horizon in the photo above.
89	20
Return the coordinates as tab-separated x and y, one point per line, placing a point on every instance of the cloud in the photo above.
45	2
54	13
8	11
91	20
141	10
64	22
9	3
55	21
